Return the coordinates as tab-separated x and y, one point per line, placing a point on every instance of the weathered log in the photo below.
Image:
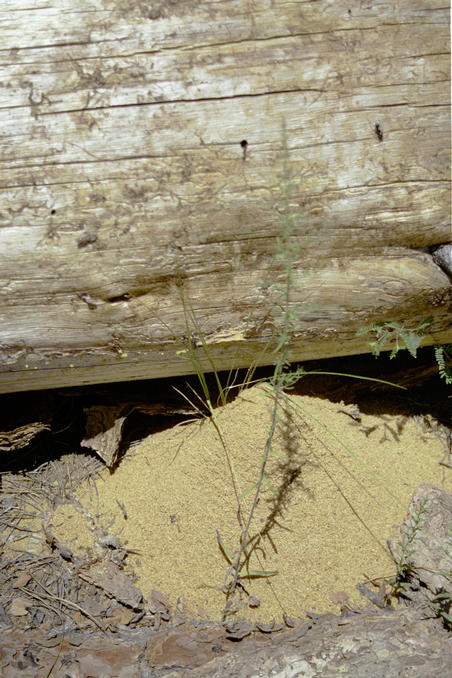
127	188
385	644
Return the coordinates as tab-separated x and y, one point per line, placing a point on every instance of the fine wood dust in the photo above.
338	483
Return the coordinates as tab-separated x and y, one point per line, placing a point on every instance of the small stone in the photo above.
443	258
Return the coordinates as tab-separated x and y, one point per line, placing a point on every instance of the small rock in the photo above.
443	258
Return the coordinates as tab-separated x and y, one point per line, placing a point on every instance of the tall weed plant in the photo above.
287	315
287	251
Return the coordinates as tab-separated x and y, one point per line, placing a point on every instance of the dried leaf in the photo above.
105	425
122	615
158	603
103	430
19	606
115	582
290	622
236	629
21	580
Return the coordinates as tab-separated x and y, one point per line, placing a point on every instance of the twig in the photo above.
56	658
68	603
42	600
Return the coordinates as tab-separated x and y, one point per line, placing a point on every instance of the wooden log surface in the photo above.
125	190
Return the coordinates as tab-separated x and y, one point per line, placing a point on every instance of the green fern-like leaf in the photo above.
390	329
443	354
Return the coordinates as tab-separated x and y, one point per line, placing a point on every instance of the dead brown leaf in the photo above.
105	425
21	580
115	582
103	430
19	606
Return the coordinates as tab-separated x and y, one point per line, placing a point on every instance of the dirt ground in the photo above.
339	481
343	468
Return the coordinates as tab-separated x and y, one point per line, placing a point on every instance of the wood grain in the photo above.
124	188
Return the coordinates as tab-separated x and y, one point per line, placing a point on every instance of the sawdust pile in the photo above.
338	482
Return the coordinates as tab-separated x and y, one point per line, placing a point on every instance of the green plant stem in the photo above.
357	376
246	529
235	482
281	351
